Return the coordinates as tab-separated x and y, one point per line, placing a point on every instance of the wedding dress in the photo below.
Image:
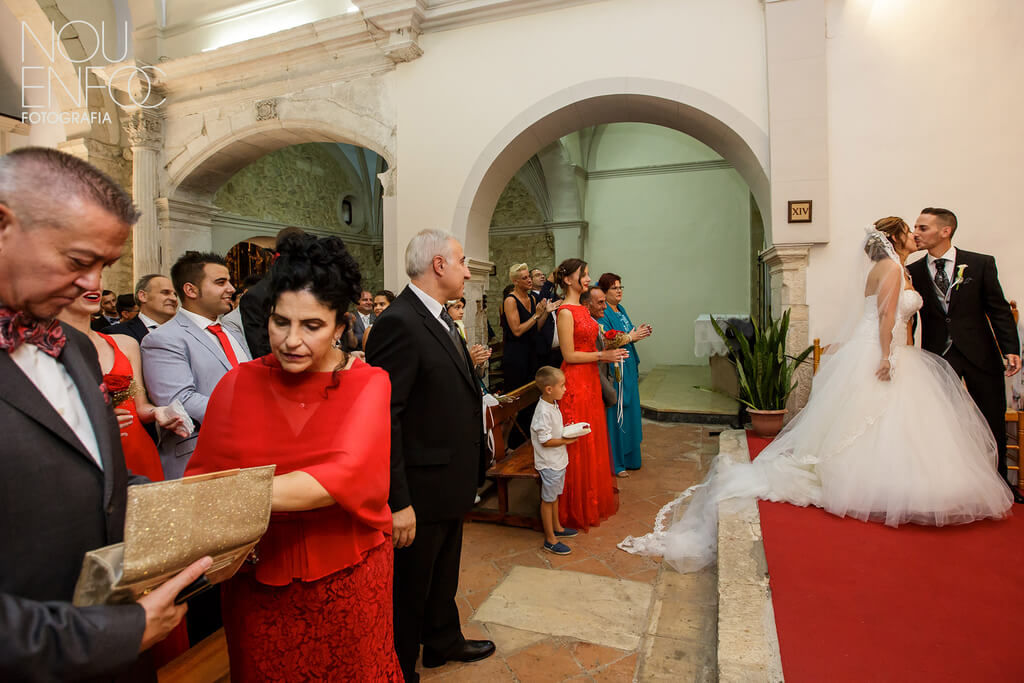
913	449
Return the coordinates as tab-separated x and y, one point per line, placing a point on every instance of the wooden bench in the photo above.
515	465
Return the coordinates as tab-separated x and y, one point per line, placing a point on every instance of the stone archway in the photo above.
672	105
184	208
694	112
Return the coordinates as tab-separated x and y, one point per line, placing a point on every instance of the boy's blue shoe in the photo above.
566	533
557	548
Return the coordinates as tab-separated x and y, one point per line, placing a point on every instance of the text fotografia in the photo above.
56	81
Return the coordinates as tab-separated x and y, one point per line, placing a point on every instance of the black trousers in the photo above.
988	389
426	580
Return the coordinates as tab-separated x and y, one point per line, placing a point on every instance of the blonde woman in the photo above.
523	316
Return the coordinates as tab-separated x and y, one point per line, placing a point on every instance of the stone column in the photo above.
787	269
394	253
145	131
570	237
184	226
474	318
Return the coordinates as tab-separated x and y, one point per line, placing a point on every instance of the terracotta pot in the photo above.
766	422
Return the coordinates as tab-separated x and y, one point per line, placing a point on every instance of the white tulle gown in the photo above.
912	449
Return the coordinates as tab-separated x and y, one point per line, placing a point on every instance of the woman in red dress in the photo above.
122	375
121	364
590	495
316	605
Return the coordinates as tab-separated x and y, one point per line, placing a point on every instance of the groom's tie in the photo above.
941	280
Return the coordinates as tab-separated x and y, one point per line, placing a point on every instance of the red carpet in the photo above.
863	602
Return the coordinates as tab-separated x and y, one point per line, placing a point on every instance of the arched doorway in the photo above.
195	215
738	143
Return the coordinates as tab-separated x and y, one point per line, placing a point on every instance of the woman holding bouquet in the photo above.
316	605
625	431
590	495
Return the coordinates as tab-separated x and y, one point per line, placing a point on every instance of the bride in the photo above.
887	437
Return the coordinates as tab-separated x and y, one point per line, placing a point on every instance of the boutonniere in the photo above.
105	392
959	280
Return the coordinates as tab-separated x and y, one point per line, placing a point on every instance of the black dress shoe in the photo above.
471	651
1018	497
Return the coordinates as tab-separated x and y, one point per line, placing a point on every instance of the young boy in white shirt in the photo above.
550	456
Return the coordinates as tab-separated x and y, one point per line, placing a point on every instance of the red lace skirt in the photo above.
590	495
336	629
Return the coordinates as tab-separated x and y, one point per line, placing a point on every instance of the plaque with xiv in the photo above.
170	524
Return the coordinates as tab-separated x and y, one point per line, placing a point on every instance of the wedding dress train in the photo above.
912	449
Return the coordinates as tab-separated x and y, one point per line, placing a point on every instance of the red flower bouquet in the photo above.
121	388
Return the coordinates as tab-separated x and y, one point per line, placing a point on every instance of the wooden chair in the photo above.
819	350
204	662
507	466
1016	418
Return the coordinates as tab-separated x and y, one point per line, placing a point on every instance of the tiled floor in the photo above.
678	642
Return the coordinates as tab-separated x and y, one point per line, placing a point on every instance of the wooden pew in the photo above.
515	465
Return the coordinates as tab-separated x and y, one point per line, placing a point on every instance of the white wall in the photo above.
471	83
680	241
924	110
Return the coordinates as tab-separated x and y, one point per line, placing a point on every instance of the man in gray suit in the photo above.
185	358
362	319
63	482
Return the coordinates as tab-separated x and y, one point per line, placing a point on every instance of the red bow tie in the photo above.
17	328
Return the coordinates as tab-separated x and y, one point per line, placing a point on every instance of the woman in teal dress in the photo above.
624	434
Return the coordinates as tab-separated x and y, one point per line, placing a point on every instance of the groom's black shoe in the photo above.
470	651
1018	497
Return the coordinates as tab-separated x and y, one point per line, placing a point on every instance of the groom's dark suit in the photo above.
438	459
977	348
56	504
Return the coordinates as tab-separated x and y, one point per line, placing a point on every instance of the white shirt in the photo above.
547	425
365	317
950	257
55	384
433	305
204	323
149	322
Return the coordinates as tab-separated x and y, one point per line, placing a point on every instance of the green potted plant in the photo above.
765	371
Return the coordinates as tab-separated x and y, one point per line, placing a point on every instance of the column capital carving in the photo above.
388	179
145	129
787	255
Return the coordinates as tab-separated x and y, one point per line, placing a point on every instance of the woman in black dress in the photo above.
523	316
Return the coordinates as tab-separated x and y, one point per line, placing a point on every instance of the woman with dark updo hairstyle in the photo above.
590	495
317	603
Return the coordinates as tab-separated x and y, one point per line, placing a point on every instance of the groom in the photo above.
966	319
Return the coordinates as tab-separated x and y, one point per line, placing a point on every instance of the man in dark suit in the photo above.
254	307
966	319
63	482
108	311
548	352
157	304
438	453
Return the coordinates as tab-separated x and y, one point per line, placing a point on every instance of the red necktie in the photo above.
225	343
17	328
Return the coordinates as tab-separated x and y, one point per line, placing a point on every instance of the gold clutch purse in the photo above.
171	524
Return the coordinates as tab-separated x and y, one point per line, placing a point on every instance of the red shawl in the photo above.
261	415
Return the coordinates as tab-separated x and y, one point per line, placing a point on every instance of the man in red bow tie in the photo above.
63	480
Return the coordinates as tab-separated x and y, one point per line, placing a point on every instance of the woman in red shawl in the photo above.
316	605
